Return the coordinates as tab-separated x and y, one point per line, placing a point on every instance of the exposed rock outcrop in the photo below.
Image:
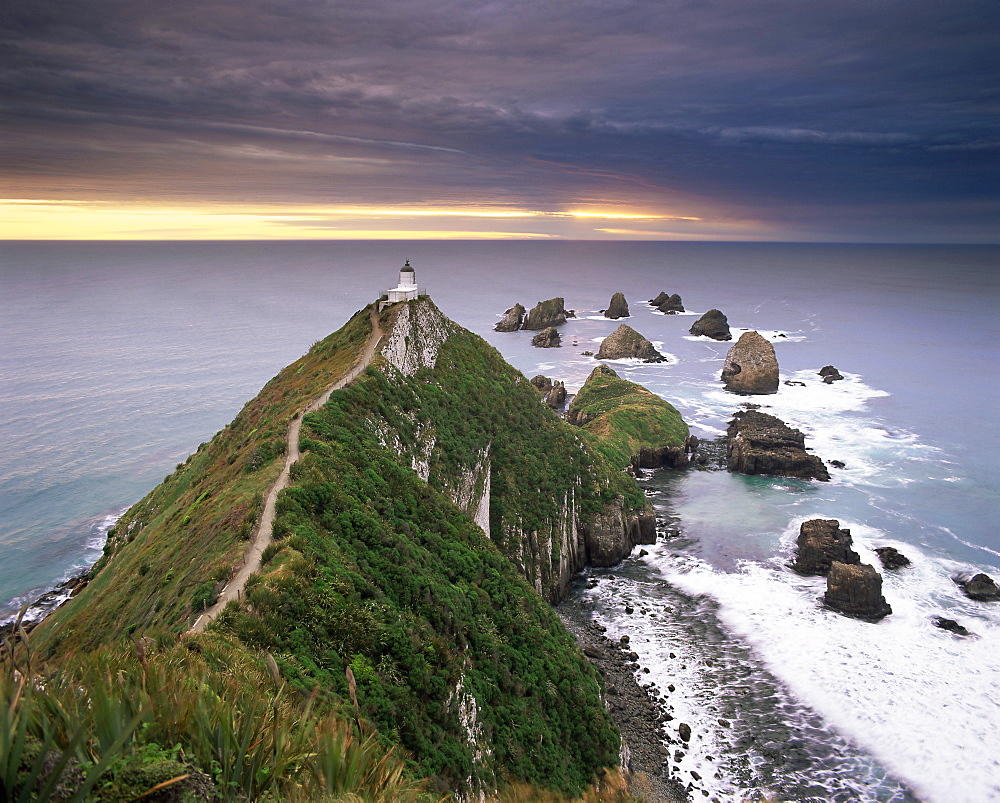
545	314
548	338
950	625
603	533
712	324
982	587
751	366
618	308
556	396
511	320
762	444
542	383
624	343
670	304
820	544
891	557
856	590
829	374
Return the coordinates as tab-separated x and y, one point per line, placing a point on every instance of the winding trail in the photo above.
262	536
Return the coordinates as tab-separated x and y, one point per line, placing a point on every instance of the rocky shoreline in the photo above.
636	712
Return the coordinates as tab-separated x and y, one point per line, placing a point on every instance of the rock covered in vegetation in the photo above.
618	308
820	544
548	338
759	443
830	374
670	304
982	588
512	319
546	313
712	324
891	558
625	343
751	366
856	590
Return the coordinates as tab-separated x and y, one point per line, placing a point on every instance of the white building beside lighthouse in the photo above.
407	289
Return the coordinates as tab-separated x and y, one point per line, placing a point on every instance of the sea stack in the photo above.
618	308
624	343
548	338
712	324
856	590
751	366
546	313
820	544
512	320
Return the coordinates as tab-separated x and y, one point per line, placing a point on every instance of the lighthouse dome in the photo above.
406	268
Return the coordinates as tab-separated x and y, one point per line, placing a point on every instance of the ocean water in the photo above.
117	360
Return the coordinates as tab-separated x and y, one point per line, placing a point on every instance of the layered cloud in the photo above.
806	120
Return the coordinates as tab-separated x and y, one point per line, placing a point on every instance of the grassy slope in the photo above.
625	417
179	544
377	569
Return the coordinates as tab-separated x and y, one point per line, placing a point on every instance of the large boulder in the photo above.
712	324
751	366
856	590
512	319
759	443
820	544
982	587
624	343
618	308
545	314
546	339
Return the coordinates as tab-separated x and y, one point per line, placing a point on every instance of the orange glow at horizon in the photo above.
55	219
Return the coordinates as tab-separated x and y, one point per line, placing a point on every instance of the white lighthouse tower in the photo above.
407	289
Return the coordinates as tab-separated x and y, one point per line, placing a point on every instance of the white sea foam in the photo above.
922	700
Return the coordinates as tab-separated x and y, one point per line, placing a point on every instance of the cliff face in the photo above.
436	502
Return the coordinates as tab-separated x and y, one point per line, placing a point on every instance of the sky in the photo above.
787	120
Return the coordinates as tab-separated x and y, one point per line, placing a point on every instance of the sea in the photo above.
118	359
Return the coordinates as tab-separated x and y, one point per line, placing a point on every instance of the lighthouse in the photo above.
407	289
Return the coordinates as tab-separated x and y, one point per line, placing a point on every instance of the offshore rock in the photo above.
542	383
712	324
624	343
512	320
545	314
830	374
891	557
672	305
981	588
751	366
820	544
618	308
669	304
950	625
556	396
548	338
759	443
856	590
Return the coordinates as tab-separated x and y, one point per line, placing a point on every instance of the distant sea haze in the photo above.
117	360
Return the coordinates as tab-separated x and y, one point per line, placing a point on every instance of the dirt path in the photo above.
262	536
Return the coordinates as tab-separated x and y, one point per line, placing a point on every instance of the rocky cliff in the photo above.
436	505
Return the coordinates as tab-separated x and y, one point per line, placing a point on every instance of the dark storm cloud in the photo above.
797	111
